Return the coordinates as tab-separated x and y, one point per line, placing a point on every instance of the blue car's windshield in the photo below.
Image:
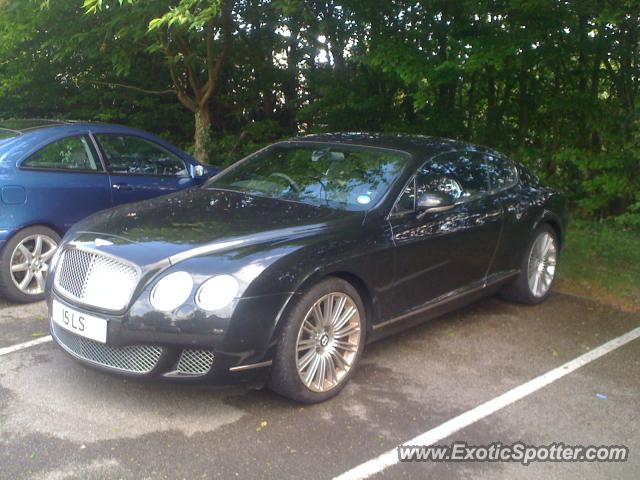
349	178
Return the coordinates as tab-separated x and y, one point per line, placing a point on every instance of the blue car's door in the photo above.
140	168
64	181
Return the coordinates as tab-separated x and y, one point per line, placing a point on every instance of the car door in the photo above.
437	253
64	182
140	168
504	181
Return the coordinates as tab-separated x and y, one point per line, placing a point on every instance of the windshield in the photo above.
348	178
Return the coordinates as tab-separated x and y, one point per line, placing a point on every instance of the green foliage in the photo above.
604	258
193	14
227	149
553	83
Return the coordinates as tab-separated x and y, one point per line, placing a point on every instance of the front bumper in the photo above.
153	352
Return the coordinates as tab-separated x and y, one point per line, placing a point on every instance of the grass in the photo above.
602	261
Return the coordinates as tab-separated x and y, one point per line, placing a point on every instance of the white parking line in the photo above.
21	346
469	417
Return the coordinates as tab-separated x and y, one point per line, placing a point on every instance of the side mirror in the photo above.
199	171
434	202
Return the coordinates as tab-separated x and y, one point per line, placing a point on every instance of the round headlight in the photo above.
171	291
217	292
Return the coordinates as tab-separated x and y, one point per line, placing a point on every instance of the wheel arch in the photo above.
348	276
554	222
50	226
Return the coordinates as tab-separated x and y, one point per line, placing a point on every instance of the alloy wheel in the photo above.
328	341
542	264
30	262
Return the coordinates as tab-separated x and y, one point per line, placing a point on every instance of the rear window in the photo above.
70	153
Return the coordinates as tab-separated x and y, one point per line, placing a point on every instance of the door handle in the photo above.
122	186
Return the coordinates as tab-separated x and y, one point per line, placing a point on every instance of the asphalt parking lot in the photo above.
60	420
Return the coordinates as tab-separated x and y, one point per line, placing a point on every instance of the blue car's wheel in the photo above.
24	263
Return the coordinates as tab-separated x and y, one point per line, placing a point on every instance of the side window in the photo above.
407	200
462	175
502	173
136	156
71	153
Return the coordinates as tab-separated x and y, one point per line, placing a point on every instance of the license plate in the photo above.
79	323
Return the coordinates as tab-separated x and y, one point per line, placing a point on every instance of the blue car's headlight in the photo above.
171	291
217	292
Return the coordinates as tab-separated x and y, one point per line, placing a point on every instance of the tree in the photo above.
195	38
51	67
554	83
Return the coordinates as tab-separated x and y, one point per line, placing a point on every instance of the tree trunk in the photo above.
583	134
492	112
471	107
202	138
523	108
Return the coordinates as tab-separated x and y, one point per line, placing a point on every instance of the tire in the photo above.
36	267
525	289
324	347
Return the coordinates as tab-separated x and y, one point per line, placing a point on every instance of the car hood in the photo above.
201	221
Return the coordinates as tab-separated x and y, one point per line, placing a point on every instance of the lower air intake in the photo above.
138	359
195	362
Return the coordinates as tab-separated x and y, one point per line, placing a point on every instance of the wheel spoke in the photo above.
37	250
536	281
46	256
311	373
346	332
331	370
306	360
40	281
26	280
25	252
322	369
338	311
308	327
306	344
339	361
349	347
328	311
21	267
345	318
318	315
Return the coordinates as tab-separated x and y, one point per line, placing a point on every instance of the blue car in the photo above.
53	174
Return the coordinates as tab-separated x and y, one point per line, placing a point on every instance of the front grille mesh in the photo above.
138	359
72	271
95	279
195	362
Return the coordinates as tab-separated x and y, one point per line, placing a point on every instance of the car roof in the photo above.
15	134
20	125
420	146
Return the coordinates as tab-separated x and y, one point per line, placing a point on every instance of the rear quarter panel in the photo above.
526	206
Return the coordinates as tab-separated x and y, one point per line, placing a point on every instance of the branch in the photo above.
182	95
191	75
227	33
130	87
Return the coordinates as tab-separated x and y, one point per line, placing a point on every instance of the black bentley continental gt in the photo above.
279	269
